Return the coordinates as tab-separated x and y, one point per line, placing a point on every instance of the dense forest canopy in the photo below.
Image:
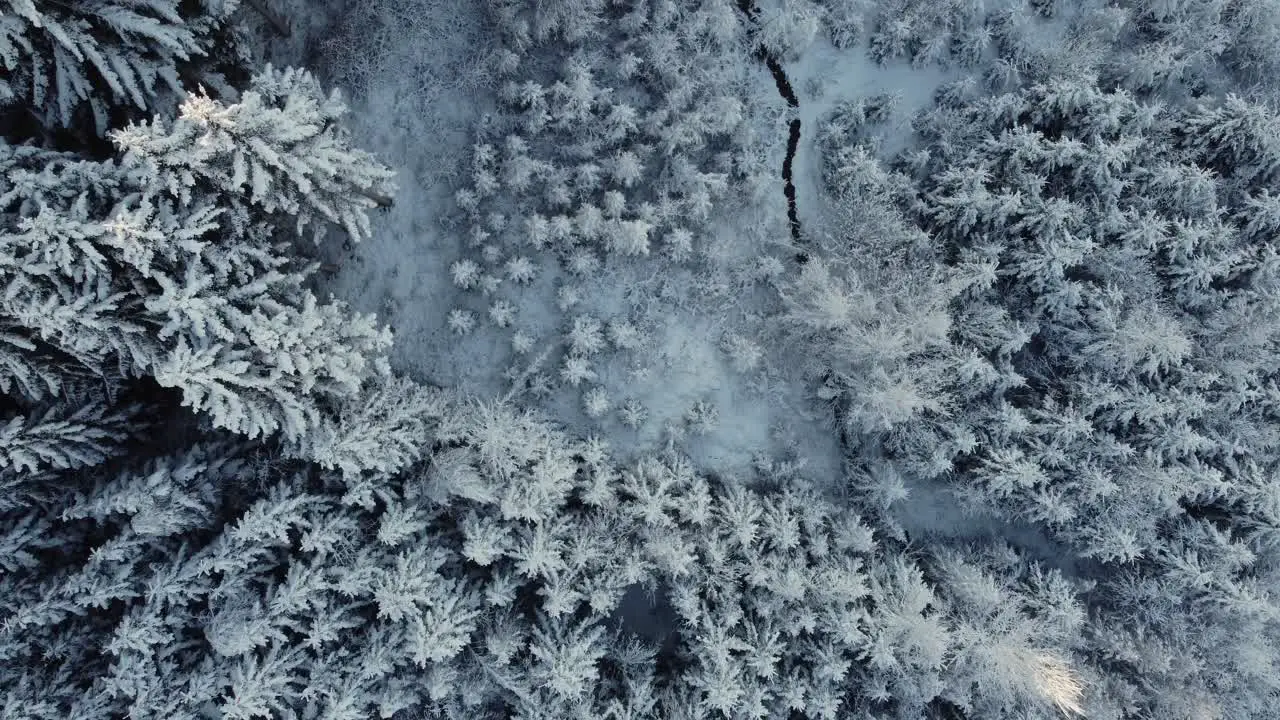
810	394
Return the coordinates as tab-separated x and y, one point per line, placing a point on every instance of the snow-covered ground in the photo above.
825	76
414	75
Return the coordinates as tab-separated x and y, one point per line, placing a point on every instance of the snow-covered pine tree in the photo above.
160	263
91	65
875	303
282	147
571	20
1015	627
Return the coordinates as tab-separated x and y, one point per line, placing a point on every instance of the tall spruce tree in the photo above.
88	66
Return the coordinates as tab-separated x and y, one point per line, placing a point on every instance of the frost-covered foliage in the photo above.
1058	304
174	262
283	142
920	31
1016	630
92	64
572	150
1192	41
489	581
1145	45
878	315
619	129
1105	371
789	604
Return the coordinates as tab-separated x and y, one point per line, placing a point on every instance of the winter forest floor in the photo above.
416	85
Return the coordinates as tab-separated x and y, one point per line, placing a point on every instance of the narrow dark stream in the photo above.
779	77
789	188
748	7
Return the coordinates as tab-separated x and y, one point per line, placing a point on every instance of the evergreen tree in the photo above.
73	65
160	264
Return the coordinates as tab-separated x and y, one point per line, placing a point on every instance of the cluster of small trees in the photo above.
620	154
923	33
1143	45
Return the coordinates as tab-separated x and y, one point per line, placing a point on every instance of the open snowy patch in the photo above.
824	76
